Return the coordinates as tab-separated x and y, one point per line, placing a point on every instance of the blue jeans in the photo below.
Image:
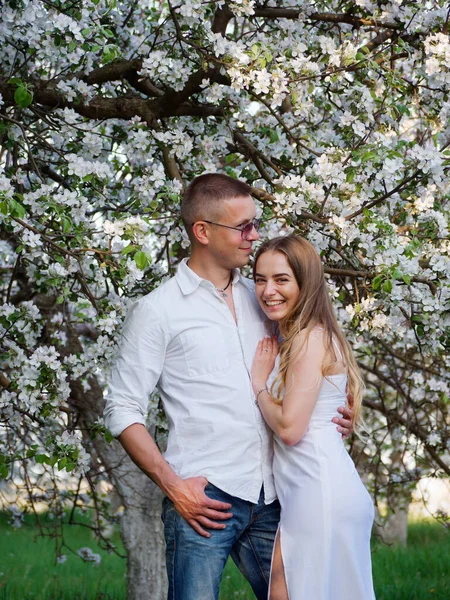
195	563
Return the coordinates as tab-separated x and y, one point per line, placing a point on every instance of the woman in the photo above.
322	549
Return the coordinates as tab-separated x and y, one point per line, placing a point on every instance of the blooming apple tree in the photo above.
337	114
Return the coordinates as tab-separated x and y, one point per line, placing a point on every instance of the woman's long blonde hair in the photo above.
314	308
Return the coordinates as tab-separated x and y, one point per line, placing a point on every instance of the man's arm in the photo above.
188	495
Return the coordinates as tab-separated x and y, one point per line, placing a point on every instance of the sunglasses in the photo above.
245	230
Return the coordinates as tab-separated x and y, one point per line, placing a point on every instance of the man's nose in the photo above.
254	235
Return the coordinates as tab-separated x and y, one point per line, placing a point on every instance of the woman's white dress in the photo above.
326	512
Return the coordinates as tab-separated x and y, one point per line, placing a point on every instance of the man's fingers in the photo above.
210	524
217	504
344	423
344	427
196	527
346	412
214	514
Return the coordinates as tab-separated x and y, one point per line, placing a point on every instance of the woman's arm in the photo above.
304	378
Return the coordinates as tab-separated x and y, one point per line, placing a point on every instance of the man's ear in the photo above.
201	232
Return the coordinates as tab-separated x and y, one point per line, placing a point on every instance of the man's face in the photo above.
227	245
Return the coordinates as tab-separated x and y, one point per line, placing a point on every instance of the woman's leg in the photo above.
278	589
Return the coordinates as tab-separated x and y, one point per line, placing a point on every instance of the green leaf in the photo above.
274	136
62	462
128	249
406	279
387	286
396	274
376	282
141	260
22	96
369	155
402	109
16	209
262	62
350	175
255	50
67	224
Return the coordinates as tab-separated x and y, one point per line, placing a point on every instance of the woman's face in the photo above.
275	285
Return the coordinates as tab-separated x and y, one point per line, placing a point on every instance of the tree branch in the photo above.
393	417
222	17
369	275
169	103
384	197
241	140
293	13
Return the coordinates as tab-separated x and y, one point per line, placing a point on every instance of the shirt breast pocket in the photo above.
205	351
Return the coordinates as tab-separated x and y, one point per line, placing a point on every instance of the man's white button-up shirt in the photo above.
182	338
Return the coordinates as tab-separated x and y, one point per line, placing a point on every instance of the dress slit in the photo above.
278	538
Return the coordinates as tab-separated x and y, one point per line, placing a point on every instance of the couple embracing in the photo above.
252	376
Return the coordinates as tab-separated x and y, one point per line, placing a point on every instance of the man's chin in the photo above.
244	261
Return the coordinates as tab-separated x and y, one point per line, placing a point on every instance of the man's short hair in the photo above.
204	195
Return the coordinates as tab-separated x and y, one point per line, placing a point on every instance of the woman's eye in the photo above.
259	281
282	280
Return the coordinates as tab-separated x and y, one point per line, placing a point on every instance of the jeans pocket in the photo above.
166	506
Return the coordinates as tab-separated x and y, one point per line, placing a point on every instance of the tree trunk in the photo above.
141	525
142	535
393	527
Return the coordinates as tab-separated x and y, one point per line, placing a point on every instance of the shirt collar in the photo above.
189	281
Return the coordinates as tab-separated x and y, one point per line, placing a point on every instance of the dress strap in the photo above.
338	350
336	345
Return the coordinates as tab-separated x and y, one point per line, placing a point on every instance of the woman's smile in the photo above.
275	285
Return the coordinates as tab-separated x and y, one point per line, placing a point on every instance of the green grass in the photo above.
28	570
421	571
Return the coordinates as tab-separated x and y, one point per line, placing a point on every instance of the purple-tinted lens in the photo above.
246	231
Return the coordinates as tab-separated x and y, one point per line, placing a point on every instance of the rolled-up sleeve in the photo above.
137	368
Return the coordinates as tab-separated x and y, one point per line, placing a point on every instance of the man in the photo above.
195	338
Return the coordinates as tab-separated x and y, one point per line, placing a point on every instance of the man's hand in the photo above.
344	423
197	508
